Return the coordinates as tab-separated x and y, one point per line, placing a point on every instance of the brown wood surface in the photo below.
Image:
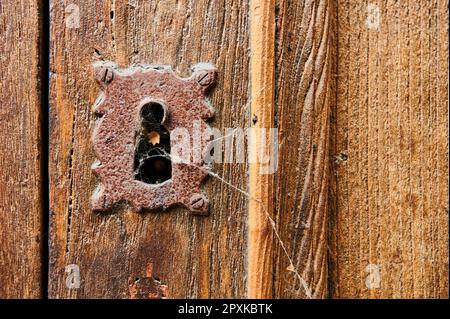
390	151
358	90
260	215
303	95
194	256
20	156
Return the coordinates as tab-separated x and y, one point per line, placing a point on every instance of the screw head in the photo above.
109	75
199	204
105	75
205	78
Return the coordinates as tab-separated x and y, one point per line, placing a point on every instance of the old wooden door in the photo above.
357	206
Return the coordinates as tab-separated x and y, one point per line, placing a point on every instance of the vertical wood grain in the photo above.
260	219
20	156
303	95
196	257
389	213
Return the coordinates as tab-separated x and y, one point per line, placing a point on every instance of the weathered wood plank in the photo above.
194	256
261	177
20	156
303	99
390	149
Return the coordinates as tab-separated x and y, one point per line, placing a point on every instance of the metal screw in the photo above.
108	76
204	78
197	201
199	204
105	74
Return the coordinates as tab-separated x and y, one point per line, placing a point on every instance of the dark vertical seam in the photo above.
43	89
334	59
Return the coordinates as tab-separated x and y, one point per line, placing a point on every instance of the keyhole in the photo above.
152	164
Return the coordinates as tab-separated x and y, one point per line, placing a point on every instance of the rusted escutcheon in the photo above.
182	100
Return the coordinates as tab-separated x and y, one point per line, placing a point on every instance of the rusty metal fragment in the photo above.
147	287
119	131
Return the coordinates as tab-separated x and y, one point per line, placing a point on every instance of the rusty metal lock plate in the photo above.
138	110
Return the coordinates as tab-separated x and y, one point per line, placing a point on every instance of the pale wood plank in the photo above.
261	180
21	234
390	149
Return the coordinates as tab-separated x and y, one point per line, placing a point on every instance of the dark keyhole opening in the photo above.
152	164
